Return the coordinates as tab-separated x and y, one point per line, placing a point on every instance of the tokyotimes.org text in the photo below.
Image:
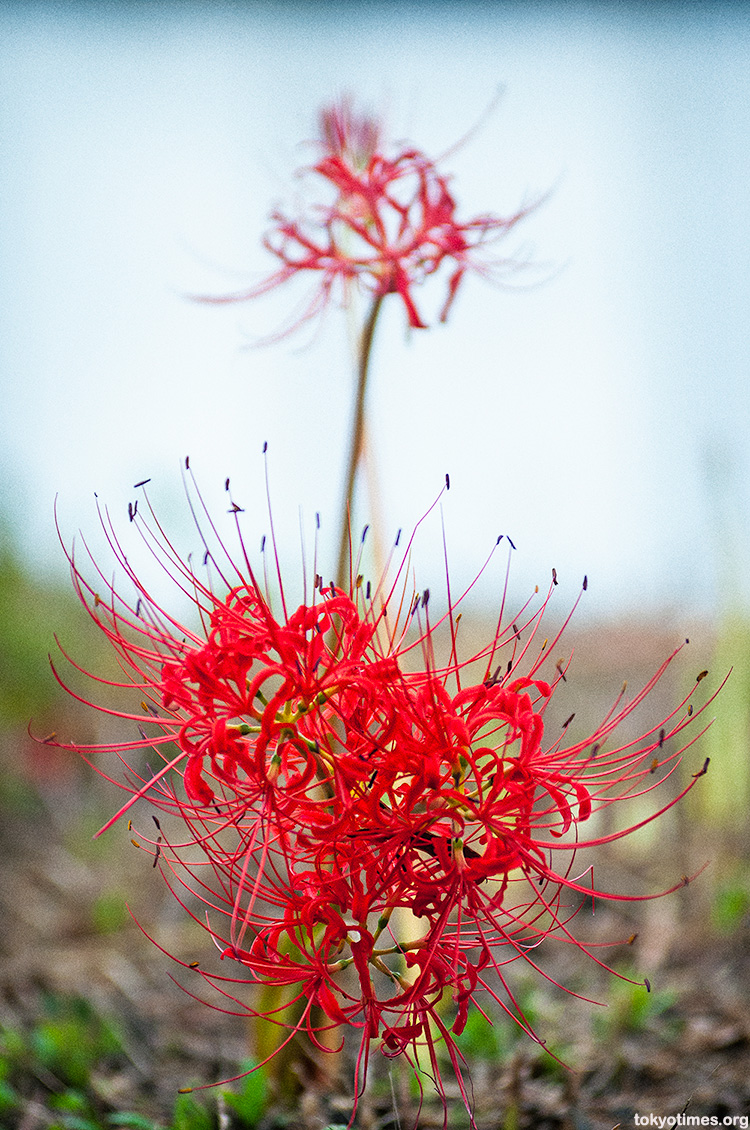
667	1121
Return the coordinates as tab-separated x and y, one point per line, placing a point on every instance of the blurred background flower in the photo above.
598	418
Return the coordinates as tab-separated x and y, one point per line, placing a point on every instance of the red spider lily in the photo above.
322	769
387	222
345	133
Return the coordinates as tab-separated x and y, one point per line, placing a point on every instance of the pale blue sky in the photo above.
601	419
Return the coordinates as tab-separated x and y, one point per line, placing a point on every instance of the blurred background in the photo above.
595	409
599	417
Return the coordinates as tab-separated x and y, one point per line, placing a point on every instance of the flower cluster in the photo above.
330	769
388	222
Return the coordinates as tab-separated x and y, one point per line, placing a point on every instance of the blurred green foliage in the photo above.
31	611
251	1098
721	801
71	1038
60	1052
495	1042
60	1062
109	913
730	908
190	1114
132	1121
632	1008
482	1040
34	613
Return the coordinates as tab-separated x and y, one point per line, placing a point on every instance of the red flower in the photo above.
387	222
322	770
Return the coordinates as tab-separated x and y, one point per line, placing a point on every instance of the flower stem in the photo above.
357	436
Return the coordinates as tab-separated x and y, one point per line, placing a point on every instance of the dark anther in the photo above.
157	853
687	640
425	598
265	447
702	772
132	510
138	604
585	583
368	590
494	678
142	483
516	631
263	544
647	983
554	576
226	484
205	558
236	509
509	668
700	676
559	669
447	481
187	462
398	537
567	721
512	543
158	825
661	737
364	534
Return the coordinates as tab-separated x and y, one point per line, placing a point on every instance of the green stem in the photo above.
357	436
